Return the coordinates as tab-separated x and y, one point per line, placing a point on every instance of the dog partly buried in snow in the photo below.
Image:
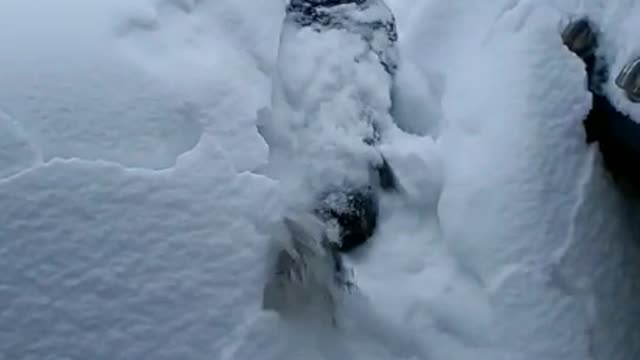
330	110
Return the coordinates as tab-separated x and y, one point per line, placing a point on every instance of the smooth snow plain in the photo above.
136	210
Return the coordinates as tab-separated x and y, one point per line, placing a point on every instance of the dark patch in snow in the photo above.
354	211
338	14
617	135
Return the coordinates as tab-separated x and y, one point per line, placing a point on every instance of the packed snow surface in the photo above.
137	193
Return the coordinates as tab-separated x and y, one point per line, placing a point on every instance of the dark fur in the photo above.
617	135
357	214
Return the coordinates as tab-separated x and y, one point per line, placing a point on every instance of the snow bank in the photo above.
519	183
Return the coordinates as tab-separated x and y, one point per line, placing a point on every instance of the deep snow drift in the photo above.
136	210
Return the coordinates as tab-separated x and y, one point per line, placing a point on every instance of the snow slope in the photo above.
135	226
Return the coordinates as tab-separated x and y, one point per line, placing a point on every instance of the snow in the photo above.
318	89
138	193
